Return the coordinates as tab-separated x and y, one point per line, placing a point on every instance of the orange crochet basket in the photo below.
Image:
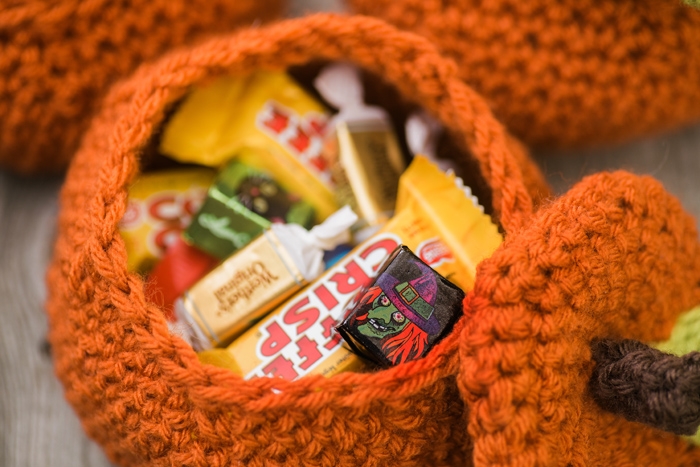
616	257
58	58
571	72
141	393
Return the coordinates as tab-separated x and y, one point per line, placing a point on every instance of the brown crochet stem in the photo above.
646	385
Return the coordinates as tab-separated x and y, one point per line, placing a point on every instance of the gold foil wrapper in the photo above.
243	289
368	169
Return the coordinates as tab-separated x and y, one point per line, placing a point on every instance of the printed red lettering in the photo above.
277	340
281	367
301	141
166	236
328	324
327	298
193	204
276	121
334	342
318	126
387	244
351	280
319	163
165	209
306	318
308	352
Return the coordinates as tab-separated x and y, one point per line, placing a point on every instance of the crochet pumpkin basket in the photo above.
142	393
615	258
59	57
567	72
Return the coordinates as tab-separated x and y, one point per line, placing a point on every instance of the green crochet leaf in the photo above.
692	3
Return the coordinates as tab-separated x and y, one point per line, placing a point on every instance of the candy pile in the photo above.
287	226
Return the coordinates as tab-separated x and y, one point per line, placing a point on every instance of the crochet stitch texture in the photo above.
58	58
141	393
616	257
571	72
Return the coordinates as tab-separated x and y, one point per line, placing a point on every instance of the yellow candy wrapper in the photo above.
468	232
298	339
220	358
161	206
267	111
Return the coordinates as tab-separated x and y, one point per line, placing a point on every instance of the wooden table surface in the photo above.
38	428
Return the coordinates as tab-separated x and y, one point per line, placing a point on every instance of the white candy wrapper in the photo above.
422	135
341	86
256	279
306	247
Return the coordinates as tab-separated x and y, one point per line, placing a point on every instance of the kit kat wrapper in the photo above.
241	290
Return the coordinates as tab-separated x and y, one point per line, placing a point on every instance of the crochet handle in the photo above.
501	158
408	61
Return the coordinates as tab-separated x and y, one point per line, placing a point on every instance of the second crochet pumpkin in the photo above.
569	73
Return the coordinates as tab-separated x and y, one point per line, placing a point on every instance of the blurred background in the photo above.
38	428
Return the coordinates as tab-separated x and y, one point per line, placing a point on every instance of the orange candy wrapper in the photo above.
298	339
161	205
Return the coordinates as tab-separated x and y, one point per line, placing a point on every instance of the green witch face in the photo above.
382	319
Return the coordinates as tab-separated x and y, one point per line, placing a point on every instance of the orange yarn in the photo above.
615	257
141	393
571	72
58	58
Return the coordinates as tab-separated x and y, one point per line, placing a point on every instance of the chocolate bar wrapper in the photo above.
403	312
293	178
241	203
450	206
242	289
368	169
257	278
364	155
267	111
161	205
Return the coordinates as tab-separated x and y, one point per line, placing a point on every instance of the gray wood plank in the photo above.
672	158
38	426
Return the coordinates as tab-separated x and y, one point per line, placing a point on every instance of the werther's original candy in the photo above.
259	277
298	338
161	205
402	313
241	203
267	111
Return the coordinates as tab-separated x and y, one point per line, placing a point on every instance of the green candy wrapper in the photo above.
241	203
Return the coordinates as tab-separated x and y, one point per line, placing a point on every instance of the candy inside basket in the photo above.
308	221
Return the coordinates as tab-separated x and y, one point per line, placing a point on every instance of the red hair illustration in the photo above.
406	345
